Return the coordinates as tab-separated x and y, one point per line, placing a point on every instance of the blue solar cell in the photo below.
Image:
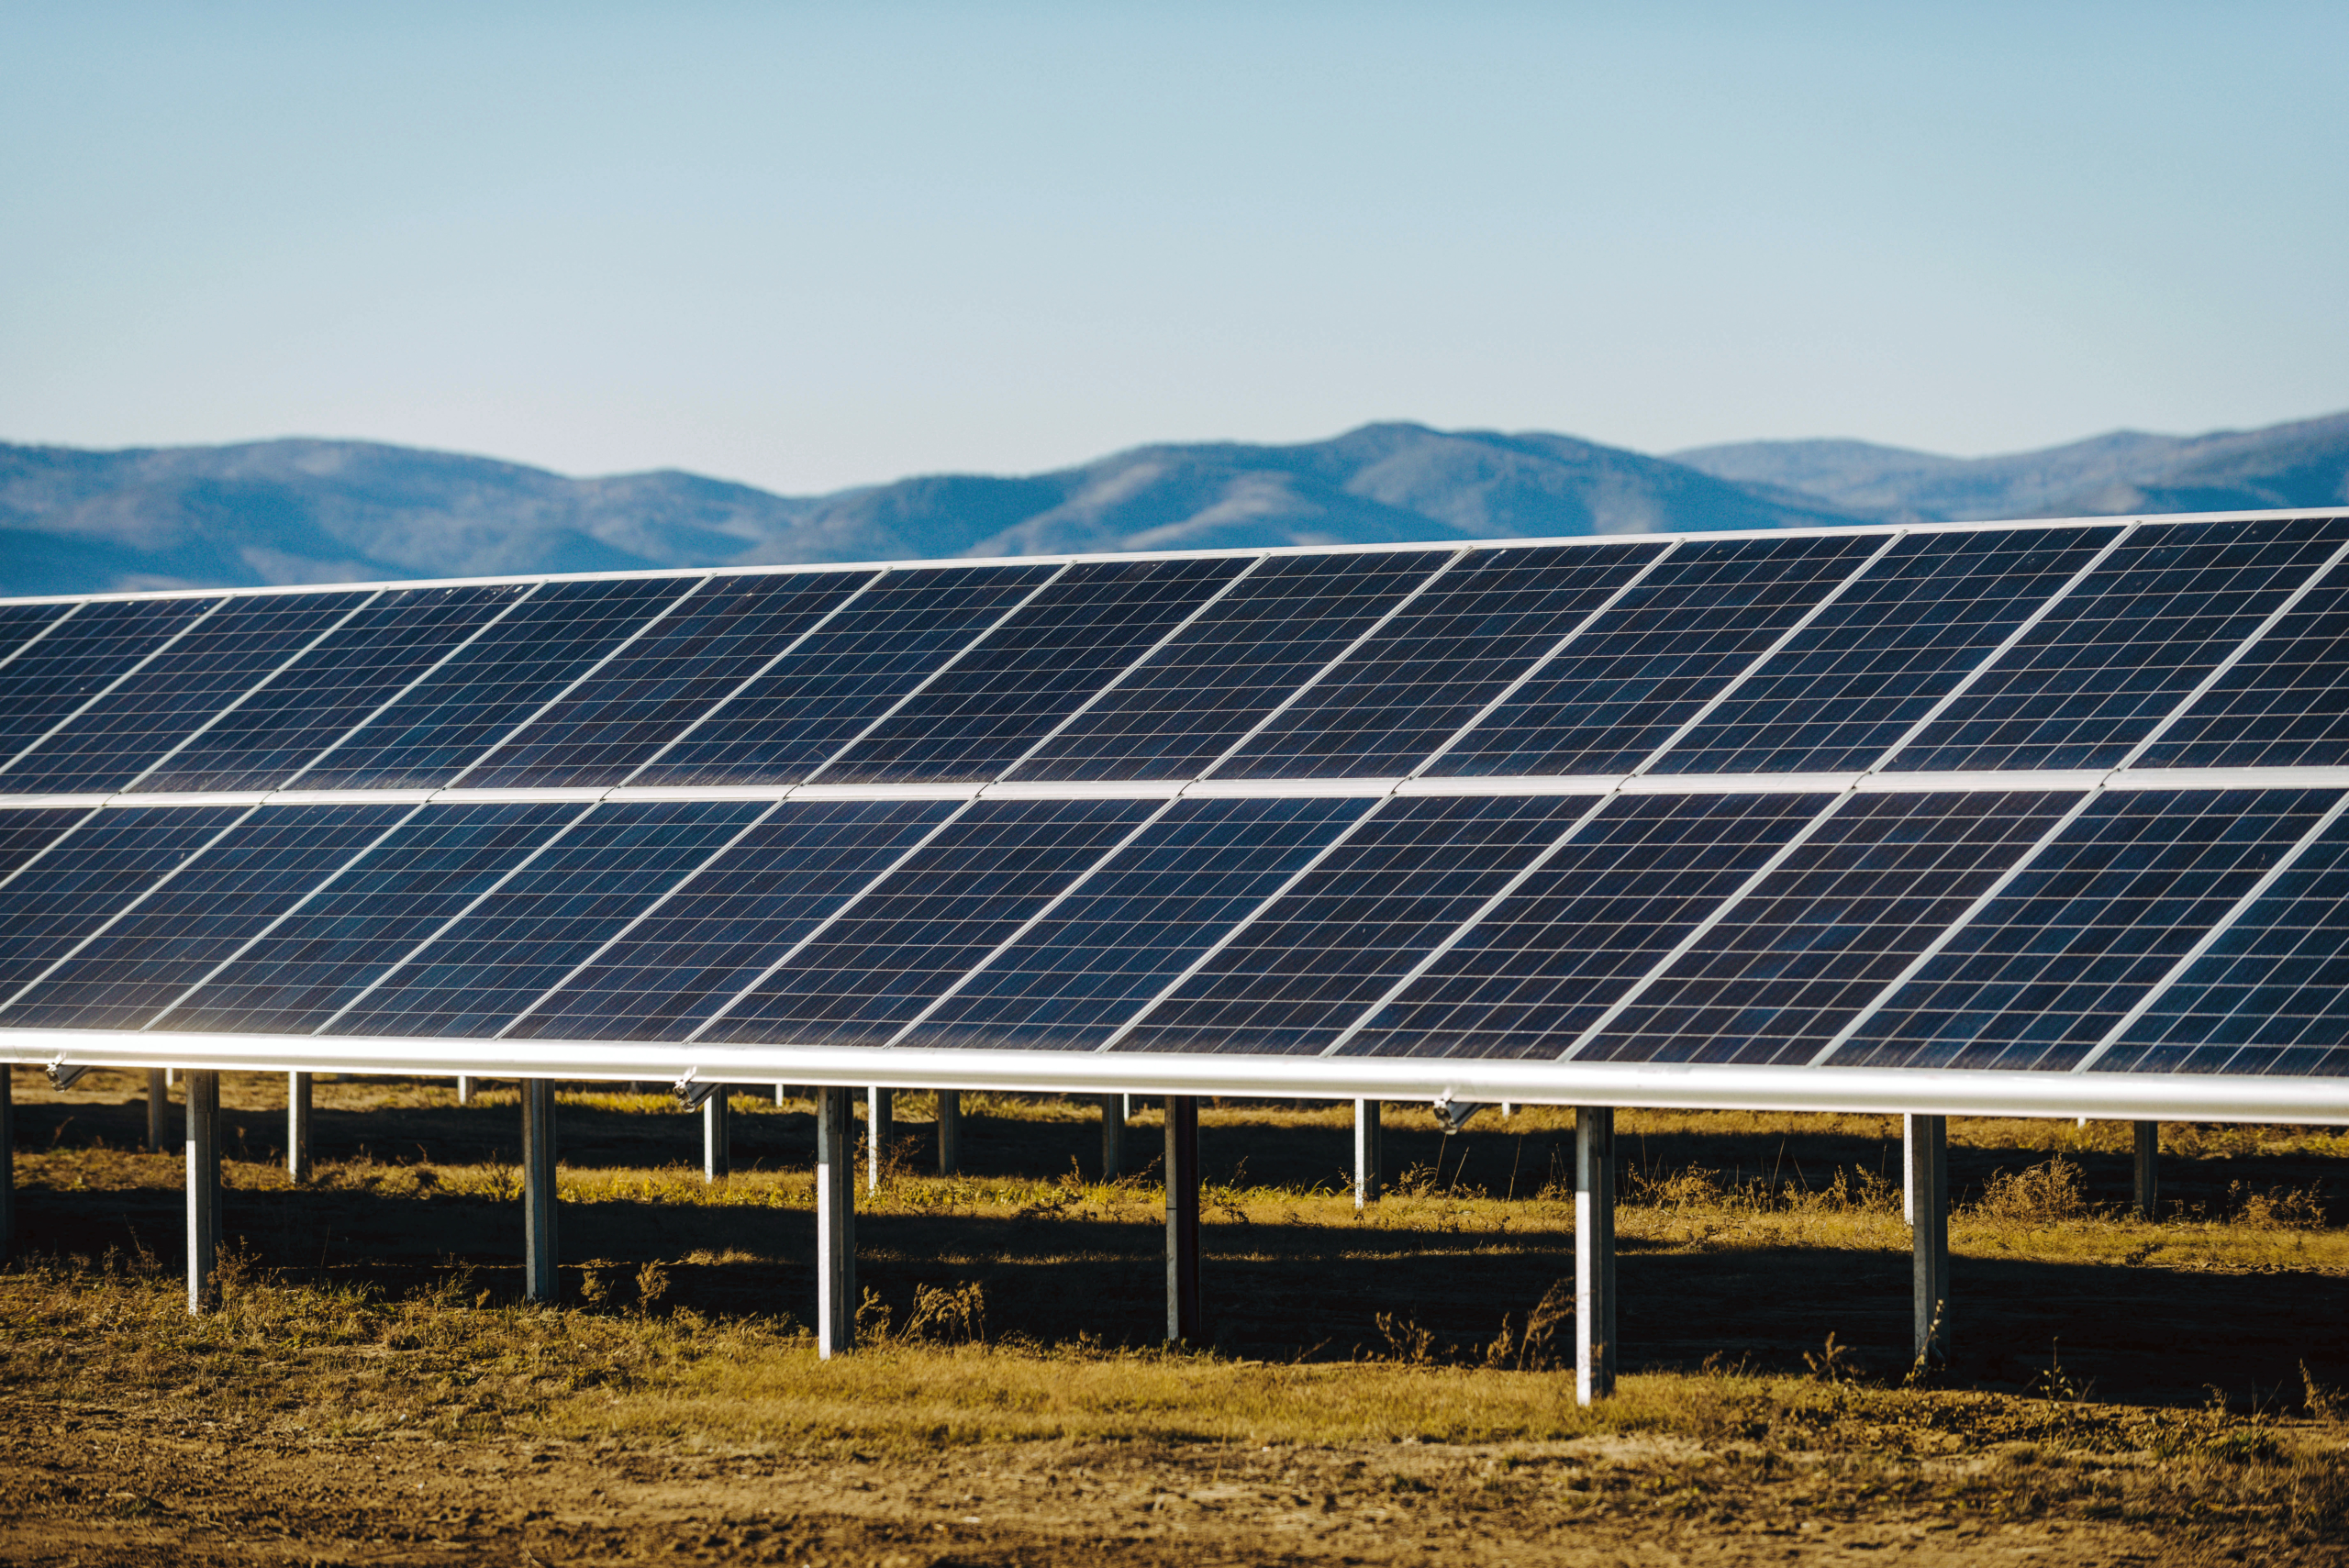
865	976
627	713
2272	994
294	719
2057	959
25	833
1203	693
324	955
1800	956
138	723
1855	680
722	927
2101	671
978	718
169	940
1692	625
1530	977
450	720
1137	923
1438	663
92	868
786	723
100	644
1294	978
2285	705
528	935
20	624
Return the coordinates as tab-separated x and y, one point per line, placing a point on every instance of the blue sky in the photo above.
817	245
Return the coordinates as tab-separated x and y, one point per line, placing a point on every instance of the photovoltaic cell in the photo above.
2272	995
25	833
88	875
1009	692
724	927
623	715
176	936
1435	665
331	949
1821	938
520	940
434	733
2036	979
1691	628
1207	689
1540	968
2285	705
1298	974
285	725
1852	681
19	624
76	662
1137	923
2116	656
141	720
791	719
880	963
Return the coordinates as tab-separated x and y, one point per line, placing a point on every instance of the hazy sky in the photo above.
819	245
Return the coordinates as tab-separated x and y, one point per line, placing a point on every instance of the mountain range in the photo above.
305	511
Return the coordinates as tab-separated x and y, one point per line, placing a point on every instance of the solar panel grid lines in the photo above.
2213	935
2036	980
245	696
164	880
2285	703
188	624
635	634
637	921
1207	955
1100	952
1182	710
1693	625
179	927
44	618
939	673
1421	679
1076	640
85	817
1021	931
88	872
326	1026
1344	654
1459	933
1713	704
2100	673
829	921
1789	962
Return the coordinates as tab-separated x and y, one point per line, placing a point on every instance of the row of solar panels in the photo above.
2143	929
2047	647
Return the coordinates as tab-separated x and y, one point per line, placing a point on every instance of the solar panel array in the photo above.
2035	796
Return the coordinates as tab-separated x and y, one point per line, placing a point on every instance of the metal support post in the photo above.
1113	1137
1368	1166
2149	1169
1183	1325
464	1090
1593	1253
835	1223
297	1126
950	1132
7	1163
782	1094
1928	1195
203	1148
880	1126
158	1097
539	1282
1908	1193
717	1139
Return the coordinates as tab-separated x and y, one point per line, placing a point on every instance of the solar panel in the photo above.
1802	802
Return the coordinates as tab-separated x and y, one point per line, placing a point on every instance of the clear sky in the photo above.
811	245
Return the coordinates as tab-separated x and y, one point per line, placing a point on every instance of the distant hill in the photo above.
305	511
2300	464
311	511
